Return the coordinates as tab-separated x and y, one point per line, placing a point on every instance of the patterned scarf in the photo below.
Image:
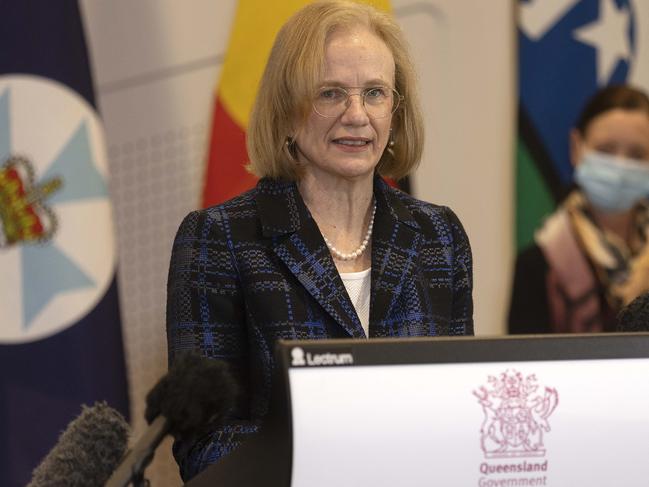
622	267
592	272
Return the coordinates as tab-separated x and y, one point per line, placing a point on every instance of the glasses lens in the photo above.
330	102
379	101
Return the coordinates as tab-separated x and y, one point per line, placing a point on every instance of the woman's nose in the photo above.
355	111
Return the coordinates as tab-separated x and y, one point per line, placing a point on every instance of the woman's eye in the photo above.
607	148
331	94
378	92
637	152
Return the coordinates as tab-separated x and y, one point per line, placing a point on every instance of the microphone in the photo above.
86	452
196	394
635	315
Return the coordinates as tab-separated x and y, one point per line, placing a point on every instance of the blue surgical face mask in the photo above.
612	184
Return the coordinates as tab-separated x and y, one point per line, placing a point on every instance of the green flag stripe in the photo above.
534	200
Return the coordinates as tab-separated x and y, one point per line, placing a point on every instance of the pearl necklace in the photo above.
359	251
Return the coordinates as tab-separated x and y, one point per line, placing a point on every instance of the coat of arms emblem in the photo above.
516	415
24	217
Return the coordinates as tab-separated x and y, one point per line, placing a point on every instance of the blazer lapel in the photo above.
297	241
396	243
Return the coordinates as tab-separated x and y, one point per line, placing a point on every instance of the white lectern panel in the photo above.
555	423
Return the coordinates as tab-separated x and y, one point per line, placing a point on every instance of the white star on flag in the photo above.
609	36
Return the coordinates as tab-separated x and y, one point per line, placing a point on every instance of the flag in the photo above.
255	26
567	50
60	332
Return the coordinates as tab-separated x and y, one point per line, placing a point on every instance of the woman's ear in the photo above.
576	147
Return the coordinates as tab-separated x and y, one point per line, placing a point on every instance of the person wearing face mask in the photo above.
591	256
323	247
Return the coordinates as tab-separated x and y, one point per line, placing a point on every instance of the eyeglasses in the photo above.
378	101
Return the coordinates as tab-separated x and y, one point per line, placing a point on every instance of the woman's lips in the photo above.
352	143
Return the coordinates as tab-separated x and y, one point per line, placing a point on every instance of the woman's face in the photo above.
617	132
348	146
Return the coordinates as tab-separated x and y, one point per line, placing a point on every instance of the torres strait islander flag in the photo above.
255	27
567	50
60	334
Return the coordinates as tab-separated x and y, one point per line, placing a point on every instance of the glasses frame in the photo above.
397	99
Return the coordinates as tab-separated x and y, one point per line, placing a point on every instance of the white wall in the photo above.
466	60
155	64
640	67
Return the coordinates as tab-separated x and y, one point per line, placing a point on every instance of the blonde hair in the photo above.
294	70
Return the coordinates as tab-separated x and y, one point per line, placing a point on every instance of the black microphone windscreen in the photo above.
635	315
86	452
196	394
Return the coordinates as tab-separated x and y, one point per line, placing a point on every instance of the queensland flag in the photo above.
567	50
60	332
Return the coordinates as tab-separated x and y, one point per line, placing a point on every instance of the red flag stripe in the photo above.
226	174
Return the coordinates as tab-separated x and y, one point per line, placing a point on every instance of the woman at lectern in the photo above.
591	257
322	247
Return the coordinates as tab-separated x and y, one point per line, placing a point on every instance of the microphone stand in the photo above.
131	469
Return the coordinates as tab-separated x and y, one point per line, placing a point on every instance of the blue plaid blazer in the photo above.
256	268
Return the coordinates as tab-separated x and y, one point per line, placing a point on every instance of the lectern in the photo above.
532	410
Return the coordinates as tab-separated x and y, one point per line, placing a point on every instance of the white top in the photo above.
358	287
